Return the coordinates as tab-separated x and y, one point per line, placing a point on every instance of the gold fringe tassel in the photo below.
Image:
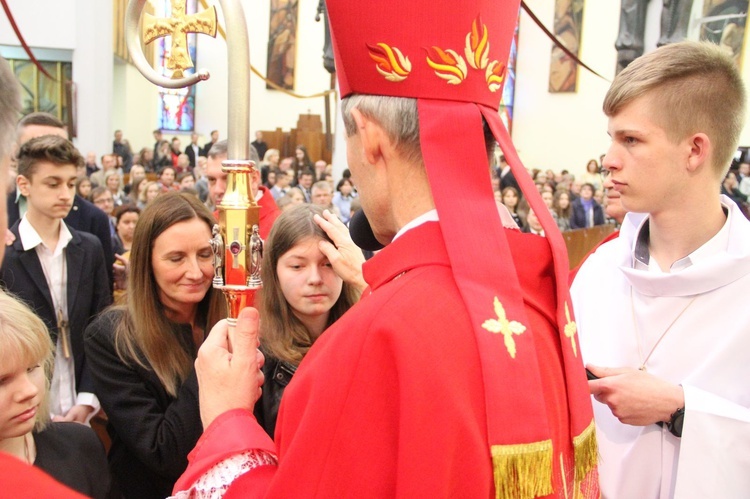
586	452
522	471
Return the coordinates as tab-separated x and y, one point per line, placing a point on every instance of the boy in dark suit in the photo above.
57	270
84	216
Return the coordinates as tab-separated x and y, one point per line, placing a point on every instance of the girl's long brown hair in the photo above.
282	334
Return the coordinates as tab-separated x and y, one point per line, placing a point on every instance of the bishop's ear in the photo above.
371	135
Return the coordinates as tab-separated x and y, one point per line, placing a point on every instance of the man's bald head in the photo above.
217	178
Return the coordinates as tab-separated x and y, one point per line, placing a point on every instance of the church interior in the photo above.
141	270
553	106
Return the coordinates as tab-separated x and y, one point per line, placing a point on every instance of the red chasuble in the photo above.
389	402
21	481
269	212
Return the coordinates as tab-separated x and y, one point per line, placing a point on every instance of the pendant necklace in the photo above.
63	326
638	335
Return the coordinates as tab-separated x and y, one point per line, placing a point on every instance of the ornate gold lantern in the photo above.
238	248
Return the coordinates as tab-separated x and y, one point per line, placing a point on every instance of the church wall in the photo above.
566	130
563	130
93	74
269	108
136	106
77	26
550	130
54	26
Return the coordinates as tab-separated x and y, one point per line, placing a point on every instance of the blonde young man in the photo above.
659	309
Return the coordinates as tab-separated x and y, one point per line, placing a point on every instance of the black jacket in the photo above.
578	215
72	454
83	217
191	154
206	148
260	147
152	432
277	375
87	290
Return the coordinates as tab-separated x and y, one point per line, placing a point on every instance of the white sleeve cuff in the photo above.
215	482
86	398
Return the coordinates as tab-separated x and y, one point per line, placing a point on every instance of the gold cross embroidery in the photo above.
178	26
570	330
505	327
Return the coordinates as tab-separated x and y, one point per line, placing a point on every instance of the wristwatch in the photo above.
674	425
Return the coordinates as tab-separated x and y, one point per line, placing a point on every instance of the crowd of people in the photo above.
133	361
589	199
572	202
449	364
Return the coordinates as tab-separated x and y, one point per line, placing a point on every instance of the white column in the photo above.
93	73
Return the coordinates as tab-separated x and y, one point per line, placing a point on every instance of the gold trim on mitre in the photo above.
522	471
585	452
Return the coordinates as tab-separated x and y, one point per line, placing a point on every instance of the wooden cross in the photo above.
178	26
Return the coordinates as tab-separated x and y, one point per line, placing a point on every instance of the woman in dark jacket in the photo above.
586	211
141	355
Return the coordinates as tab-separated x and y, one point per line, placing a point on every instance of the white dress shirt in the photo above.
63	385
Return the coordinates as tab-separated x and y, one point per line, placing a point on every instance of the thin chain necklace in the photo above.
27	453
638	334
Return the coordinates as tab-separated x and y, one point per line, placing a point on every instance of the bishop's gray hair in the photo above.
397	115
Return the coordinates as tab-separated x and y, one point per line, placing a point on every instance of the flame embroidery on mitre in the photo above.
477	45
504	326
390	62
495	76
447	64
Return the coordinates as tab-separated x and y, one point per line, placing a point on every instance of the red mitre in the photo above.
451	57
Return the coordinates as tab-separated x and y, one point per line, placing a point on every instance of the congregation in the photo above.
111	364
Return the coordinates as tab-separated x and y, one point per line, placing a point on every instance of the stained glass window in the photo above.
176	106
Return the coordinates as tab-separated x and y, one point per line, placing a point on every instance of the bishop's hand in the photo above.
635	397
230	378
346	258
